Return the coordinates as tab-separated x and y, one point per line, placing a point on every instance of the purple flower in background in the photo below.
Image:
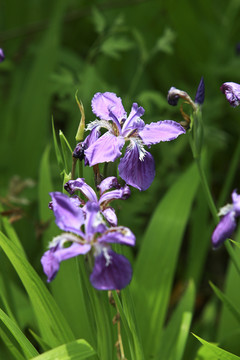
227	224
232	92
137	166
105	198
2	56
86	231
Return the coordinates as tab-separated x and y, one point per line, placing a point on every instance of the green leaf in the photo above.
11	347
56	147
54	328
126	313
165	43
156	262
226	301
76	350
66	148
28	349
175	335
218	352
98	20
113	46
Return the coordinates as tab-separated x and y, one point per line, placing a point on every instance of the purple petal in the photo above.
108	183
102	102
119	235
236	202
136	172
161	131
134	120
200	94
111	272
50	265
68	216
232	93
224	229
2	56
122	193
51	259
79	184
94	222
107	148
110	216
173	96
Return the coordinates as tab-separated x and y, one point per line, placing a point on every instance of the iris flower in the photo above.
137	166
85	231
232	92
227	224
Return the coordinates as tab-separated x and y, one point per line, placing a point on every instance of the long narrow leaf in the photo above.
76	350
154	271
53	326
28	349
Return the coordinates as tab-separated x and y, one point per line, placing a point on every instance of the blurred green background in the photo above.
138	49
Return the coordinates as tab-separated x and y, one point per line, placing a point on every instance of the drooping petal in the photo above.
107	184
161	131
111	271
136	172
102	102
107	148
50	264
118	234
68	216
224	229
79	184
232	93
110	216
134	120
122	193
2	56
51	259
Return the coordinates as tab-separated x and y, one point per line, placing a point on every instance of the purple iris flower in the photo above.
105	198
85	230
137	166
232	92
2	56
227	224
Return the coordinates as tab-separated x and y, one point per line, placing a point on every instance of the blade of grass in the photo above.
54	328
156	262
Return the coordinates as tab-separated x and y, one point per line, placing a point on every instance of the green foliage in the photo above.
138	49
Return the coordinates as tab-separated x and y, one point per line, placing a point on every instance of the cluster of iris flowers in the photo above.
90	226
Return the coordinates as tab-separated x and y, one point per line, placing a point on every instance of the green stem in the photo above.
213	210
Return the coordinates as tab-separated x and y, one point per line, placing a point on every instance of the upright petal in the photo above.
94	222
102	102
161	131
110	216
111	271
107	148
68	216
134	120
136	172
108	183
200	94
79	184
224	229
119	235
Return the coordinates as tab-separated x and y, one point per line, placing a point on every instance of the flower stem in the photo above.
213	210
